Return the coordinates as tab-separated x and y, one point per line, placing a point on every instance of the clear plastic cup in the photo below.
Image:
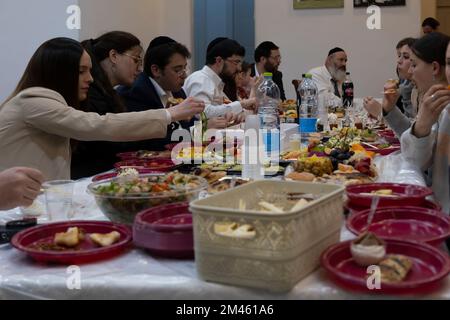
58	199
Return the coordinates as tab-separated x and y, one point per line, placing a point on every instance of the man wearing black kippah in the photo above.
329	78
268	59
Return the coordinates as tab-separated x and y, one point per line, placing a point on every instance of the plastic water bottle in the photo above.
309	108
268	97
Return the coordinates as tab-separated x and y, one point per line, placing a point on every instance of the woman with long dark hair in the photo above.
427	143
41	116
116	60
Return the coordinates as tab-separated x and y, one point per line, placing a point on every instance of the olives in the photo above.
338	156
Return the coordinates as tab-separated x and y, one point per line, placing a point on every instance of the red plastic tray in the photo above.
165	231
406	223
87	252
430	267
407	195
160	165
134	155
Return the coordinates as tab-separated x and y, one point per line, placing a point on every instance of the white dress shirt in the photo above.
322	79
207	86
163	96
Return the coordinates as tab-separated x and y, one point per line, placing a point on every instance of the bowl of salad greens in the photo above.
123	197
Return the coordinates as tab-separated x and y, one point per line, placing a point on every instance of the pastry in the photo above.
105	240
69	239
395	268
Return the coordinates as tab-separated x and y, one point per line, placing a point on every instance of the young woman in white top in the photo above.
427	143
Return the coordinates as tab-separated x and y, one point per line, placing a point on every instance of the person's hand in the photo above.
249	104
434	102
186	110
217	123
235	119
256	82
19	187
373	107
391	95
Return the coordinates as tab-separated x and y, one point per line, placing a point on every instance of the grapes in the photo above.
334	153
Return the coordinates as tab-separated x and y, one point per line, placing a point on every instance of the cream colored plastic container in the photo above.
284	247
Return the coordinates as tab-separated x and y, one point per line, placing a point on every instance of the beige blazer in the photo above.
36	127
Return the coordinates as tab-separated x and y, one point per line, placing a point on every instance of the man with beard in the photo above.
223	61
330	77
268	59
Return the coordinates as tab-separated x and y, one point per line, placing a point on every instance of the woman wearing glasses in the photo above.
43	113
116	61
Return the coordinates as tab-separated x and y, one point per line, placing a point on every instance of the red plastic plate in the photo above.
405	195
160	165
384	152
430	266
86	252
134	155
427	205
406	223
111	175
165	231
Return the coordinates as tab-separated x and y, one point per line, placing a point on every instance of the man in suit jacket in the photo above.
268	59
164	73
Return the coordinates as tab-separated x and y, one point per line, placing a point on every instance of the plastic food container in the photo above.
283	247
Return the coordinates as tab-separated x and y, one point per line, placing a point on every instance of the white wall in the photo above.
305	37
144	18
140	17
24	25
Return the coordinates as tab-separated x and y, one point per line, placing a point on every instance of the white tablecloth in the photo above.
137	275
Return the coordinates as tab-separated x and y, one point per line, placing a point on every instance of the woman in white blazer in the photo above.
42	115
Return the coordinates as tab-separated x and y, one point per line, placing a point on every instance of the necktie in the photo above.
336	88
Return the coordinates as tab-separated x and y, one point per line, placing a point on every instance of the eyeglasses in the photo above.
181	72
235	62
137	60
276	58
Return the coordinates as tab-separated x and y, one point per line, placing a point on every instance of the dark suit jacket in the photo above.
278	79
143	96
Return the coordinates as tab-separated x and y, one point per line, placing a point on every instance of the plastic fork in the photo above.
373	209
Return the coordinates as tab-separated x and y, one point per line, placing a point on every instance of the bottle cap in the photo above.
268	74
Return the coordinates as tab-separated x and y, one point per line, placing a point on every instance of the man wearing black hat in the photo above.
329	78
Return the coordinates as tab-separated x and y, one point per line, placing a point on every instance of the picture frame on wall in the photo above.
380	3
317	4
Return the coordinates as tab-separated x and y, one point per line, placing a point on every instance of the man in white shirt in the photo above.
330	77
223	60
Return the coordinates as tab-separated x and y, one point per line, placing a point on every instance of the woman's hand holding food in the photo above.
434	102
